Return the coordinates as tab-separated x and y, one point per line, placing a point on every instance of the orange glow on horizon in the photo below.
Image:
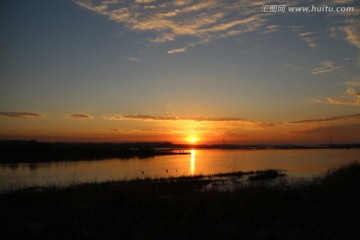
343	130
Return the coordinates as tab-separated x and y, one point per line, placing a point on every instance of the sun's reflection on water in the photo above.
192	162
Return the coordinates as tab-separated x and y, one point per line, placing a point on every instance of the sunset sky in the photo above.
151	70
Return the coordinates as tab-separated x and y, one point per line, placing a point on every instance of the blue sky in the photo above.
133	67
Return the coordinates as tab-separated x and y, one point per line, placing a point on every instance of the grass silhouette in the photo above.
325	208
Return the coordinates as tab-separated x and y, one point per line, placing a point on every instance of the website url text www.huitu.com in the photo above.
308	9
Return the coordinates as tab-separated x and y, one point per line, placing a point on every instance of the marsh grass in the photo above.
326	208
266	175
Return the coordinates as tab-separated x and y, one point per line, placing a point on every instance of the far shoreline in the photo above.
32	151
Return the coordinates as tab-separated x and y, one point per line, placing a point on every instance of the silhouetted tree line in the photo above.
34	151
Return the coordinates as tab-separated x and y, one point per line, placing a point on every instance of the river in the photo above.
298	163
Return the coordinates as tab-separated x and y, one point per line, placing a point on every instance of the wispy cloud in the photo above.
351	97
270	29
133	59
114	129
178	50
181	2
142	117
145	1
81	116
21	115
166	118
306	36
353	83
119	130
326	66
352	31
205	20
329	119
210	19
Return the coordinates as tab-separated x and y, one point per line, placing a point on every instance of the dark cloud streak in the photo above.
329	119
21	115
81	116
142	117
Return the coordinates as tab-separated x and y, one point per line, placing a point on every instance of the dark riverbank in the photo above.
326	208
34	151
15	151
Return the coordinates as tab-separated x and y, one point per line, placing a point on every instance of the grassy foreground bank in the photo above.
327	208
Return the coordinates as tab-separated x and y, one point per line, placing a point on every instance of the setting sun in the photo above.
192	140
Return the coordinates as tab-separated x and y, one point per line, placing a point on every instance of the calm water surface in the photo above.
298	163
